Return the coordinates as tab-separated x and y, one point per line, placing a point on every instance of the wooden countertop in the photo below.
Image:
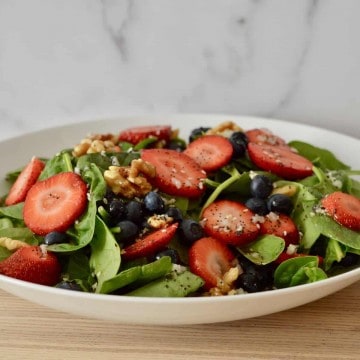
325	329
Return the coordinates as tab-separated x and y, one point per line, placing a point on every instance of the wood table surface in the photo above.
325	329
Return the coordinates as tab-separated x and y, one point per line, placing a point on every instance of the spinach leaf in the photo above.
322	158
13	211
19	233
4	253
137	275
59	163
292	271
105	253
172	285
308	274
263	250
334	252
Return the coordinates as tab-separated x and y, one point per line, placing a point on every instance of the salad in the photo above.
146	212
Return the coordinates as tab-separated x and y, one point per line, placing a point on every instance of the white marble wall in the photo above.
68	60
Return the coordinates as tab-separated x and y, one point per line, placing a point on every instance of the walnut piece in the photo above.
12	244
96	143
225	286
130	181
225	128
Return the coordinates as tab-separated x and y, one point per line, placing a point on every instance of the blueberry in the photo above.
175	213
128	231
280	203
154	203
56	237
172	253
116	210
261	186
349	260
239	142
177	144
257	206
256	278
69	285
134	211
190	231
196	133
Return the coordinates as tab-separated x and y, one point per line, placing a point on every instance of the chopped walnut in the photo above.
96	143
159	221
225	286
130	181
289	190
12	244
225	128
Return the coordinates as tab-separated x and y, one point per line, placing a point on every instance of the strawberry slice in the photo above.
176	173
150	244
280	161
211	152
229	221
55	203
33	264
210	259
280	225
134	135
264	136
24	181
343	208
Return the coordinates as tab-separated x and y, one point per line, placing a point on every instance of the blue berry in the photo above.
261	186
190	231
134	211
116	209
172	253
280	203
128	231
69	285
239	142
56	237
196	133
154	203
257	206
175	213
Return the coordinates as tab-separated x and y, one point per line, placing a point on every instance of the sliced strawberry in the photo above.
24	181
280	161
280	225
211	152
210	259
176	173
55	203
150	244
264	136
33	264
134	135
343	208
229	221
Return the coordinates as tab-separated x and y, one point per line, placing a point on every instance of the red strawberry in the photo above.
282	226
25	180
211	152
280	161
33	264
264	136
136	134
176	173
210	259
55	203
230	222
151	243
343	208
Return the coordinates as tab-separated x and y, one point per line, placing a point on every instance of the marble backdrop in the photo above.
71	60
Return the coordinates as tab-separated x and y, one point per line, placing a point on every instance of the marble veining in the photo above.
75	60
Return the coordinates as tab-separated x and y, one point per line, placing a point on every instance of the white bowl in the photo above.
171	311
